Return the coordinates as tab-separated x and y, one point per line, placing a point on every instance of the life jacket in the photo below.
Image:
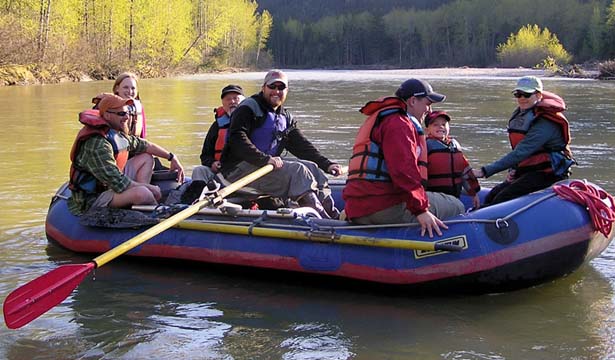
95	125
224	122
137	119
556	161
367	161
448	169
272	132
136	122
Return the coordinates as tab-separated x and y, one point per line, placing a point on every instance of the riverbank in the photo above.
31	75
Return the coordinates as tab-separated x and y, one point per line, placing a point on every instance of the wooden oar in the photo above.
33	299
320	236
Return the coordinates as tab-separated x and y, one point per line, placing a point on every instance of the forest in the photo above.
430	33
156	38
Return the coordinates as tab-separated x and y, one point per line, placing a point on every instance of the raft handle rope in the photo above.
259	221
594	200
502	222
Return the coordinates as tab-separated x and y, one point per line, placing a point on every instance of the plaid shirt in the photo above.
96	157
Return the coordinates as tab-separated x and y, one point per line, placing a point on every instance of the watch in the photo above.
171	156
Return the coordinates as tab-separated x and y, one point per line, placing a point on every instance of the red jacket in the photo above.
399	142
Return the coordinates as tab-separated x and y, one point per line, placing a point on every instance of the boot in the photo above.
329	204
310	199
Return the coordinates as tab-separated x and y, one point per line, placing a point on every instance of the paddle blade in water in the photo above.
33	299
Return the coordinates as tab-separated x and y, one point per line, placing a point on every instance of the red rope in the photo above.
595	201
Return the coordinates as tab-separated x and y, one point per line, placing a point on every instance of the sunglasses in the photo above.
280	87
119	113
519	94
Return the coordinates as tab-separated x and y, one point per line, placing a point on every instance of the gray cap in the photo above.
529	84
276	76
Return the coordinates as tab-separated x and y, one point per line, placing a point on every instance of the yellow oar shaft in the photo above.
318	236
182	215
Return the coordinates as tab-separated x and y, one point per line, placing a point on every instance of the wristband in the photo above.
171	156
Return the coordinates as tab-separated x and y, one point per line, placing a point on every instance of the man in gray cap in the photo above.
215	139
261	129
388	167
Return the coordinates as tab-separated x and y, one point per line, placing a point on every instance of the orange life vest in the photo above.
550	108
80	179
448	170
367	161
224	122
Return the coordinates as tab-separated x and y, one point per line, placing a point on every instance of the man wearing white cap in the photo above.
261	129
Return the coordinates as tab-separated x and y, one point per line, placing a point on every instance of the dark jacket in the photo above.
239	147
209	145
542	133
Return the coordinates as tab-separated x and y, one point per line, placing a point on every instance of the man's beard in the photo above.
124	128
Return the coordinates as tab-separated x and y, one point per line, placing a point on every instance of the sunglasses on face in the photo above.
276	87
519	94
119	113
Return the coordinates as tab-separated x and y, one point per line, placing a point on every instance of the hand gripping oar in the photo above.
33	299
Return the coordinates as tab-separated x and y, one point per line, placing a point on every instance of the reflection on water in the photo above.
131	309
136	309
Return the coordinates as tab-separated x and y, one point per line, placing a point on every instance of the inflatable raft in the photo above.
520	243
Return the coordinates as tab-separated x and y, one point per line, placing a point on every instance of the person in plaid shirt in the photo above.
101	173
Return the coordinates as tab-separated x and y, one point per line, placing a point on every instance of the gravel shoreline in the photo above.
464	71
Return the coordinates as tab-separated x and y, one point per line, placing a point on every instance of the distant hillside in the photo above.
311	10
429	33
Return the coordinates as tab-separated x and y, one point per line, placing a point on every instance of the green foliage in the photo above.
102	37
106	36
421	34
530	47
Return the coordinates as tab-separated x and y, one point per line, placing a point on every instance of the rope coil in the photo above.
595	201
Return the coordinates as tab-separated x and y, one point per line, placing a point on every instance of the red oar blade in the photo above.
33	299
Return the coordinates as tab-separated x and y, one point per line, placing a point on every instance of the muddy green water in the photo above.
137	310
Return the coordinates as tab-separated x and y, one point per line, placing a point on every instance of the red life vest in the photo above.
448	169
95	125
550	108
224	122
367	161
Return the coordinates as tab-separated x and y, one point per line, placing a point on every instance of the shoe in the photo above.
329	204
310	199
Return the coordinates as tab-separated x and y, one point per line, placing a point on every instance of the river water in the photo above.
150	309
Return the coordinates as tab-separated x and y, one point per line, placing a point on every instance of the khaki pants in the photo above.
441	205
291	181
106	196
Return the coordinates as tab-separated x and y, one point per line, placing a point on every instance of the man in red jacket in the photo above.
388	168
